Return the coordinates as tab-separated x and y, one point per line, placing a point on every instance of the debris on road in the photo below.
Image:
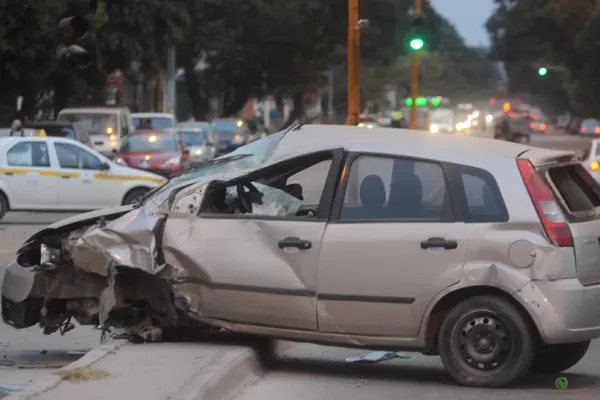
377	356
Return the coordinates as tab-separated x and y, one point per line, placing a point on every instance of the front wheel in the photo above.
134	196
485	341
3	205
555	358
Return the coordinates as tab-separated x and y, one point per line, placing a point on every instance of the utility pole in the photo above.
414	90
353	63
330	94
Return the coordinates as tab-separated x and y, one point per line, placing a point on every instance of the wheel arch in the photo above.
130	190
5	196
451	299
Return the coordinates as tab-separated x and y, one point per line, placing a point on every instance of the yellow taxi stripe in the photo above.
23	171
128	178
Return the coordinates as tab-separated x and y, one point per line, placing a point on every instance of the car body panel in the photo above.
230	271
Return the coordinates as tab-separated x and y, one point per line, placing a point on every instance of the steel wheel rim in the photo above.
135	200
483	343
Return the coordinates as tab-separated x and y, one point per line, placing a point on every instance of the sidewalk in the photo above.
213	370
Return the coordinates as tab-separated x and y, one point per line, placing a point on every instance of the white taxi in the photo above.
59	174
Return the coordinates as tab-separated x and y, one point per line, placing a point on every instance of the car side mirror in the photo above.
105	166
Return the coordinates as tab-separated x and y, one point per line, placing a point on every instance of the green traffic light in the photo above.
417	44
542	71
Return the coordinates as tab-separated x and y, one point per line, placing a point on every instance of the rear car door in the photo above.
79	186
31	176
391	246
579	196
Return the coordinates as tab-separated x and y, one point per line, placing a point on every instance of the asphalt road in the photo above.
27	354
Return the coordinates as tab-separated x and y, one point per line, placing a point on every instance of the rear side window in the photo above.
578	189
477	195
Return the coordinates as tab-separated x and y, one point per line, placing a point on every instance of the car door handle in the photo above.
438	242
9	173
66	176
295	242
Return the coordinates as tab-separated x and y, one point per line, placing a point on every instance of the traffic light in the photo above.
417	38
542	71
77	47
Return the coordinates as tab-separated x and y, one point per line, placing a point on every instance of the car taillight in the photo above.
531	125
547	208
594	165
543	127
597	130
582	130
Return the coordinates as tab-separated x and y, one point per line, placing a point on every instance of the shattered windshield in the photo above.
245	157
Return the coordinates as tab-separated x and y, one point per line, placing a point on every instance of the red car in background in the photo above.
158	152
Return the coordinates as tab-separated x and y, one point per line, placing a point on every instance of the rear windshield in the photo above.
151	143
578	189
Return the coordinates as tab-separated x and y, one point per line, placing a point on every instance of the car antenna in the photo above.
311	119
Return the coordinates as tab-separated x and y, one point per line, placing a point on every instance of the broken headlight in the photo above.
48	255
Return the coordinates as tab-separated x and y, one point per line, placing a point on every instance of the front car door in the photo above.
80	187
259	268
391	246
31	177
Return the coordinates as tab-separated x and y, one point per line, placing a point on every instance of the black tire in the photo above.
133	196
556	358
486	324
3	205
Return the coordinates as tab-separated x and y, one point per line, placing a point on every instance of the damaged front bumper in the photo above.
102	268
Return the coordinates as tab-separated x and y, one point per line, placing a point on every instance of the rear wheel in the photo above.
3	205
134	196
485	341
555	358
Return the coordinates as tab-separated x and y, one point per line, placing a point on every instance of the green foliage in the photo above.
250	47
561	36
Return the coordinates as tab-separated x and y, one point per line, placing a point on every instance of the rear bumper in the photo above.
564	310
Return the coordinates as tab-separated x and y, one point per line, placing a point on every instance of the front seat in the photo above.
406	196
372	198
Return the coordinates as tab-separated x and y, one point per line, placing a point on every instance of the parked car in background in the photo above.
589	127
538	126
71	130
203	126
231	133
156	121
158	152
107	126
197	142
44	173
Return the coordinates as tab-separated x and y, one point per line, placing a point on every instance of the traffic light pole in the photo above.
353	63
414	89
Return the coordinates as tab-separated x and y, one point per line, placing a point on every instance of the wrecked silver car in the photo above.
482	252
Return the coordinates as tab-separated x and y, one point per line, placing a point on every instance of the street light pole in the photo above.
414	89
353	63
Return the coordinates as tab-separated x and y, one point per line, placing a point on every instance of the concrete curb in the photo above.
234	371
53	380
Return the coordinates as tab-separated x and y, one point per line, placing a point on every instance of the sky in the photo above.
468	16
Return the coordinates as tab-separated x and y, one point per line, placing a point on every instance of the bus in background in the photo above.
105	125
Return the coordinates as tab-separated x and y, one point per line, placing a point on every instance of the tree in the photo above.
558	34
26	47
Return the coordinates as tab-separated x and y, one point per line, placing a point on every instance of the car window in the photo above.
29	154
148	143
312	181
478	195
395	188
74	157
